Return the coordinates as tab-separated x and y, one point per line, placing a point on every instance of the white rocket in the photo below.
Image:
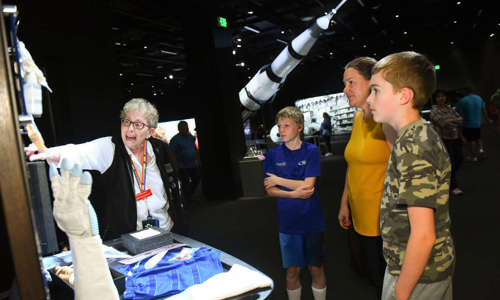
268	79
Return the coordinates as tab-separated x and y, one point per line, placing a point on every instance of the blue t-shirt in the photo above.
184	150
470	107
297	216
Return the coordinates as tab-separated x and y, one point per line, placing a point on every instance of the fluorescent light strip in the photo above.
251	29
168	52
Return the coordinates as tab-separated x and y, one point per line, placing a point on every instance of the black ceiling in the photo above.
149	42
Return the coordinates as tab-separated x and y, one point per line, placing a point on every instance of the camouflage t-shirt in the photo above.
418	174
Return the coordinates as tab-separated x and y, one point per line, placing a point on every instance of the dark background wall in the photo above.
71	42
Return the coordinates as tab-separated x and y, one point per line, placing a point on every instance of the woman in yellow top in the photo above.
367	154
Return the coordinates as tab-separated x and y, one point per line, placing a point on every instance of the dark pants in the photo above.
367	258
326	139
455	150
189	178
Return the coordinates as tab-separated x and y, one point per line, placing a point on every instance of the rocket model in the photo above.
269	78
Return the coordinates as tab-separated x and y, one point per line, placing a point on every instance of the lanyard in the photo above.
141	181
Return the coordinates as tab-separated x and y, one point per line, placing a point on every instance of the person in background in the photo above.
291	171
448	123
472	108
260	132
326	132
131	169
367	154
188	159
493	108
414	215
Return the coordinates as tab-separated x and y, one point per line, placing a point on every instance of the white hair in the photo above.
143	106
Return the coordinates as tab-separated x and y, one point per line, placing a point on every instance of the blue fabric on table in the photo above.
170	277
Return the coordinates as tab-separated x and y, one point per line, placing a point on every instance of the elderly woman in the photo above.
131	189
367	154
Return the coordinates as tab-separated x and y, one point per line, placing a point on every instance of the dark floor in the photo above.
247	228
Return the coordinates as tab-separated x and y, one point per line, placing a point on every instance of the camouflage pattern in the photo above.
418	174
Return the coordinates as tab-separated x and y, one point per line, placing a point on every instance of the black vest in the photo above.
113	195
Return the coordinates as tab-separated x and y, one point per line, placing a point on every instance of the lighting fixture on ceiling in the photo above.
251	29
168	52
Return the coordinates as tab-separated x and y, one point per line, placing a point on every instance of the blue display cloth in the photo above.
175	272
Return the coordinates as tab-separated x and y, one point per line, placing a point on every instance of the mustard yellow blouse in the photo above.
367	155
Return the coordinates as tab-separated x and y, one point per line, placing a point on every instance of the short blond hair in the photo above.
411	70
143	106
292	113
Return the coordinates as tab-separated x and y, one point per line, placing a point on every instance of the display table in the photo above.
61	290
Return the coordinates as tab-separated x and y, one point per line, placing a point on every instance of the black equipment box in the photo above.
146	239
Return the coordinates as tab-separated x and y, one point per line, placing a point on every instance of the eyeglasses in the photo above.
137	125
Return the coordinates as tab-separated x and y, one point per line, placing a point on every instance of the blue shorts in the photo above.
302	249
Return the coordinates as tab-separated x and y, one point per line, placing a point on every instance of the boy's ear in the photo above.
406	95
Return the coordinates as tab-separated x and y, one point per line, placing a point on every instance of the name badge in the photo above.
143	195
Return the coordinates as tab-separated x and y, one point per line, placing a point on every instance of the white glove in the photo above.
75	215
92	277
72	210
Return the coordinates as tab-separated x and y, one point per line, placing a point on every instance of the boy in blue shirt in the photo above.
291	171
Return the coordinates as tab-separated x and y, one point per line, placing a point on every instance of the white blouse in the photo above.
98	155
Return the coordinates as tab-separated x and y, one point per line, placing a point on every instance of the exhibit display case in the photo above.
336	105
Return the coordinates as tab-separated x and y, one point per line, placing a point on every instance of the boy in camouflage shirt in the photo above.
414	216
